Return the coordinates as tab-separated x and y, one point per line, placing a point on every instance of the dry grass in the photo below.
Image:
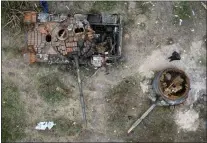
13	12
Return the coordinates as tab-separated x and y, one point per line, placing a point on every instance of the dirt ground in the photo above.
114	101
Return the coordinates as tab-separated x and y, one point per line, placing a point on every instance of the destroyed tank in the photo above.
54	38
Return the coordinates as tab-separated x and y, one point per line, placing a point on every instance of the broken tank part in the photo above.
57	37
30	17
172	85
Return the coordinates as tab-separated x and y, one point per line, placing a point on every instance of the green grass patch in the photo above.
182	10
52	89
11	52
13	113
202	60
120	99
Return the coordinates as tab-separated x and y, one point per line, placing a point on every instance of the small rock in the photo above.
127	81
142	26
170	41
129	117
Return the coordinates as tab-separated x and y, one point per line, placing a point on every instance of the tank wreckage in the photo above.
92	39
95	40
53	38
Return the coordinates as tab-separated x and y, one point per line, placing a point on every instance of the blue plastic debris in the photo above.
44	5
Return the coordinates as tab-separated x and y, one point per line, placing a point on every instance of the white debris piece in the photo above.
192	30
193	12
44	125
180	22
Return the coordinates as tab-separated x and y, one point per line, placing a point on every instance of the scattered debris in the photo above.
44	125
175	56
67	7
204	5
170	87
174	87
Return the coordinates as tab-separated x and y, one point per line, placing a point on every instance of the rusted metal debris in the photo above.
171	87
142	117
56	36
174	85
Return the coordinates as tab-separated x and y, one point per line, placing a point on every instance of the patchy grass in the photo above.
144	7
67	127
11	52
100	6
12	44
182	10
13	113
121	98
129	22
202	60
52	89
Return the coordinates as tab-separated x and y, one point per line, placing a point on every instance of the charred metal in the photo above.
55	38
